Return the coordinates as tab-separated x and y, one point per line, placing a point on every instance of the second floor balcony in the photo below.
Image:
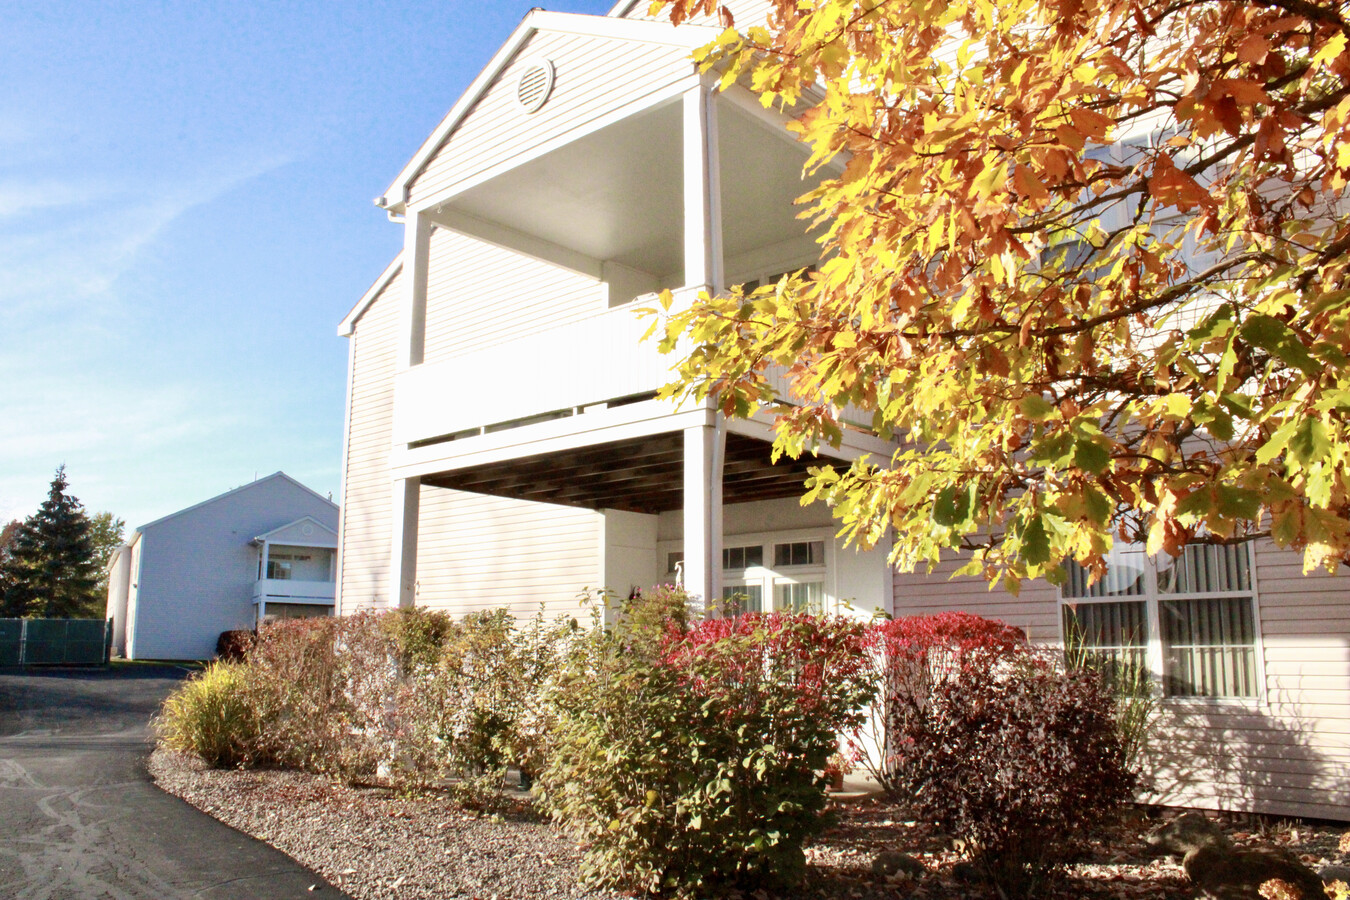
552	373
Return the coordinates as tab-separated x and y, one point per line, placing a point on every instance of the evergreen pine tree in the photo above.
50	571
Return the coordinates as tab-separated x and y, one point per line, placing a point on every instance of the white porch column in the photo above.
702	192
413	314
704	449
403	542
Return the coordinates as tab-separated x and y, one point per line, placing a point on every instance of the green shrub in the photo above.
418	635
693	764
213	715
480	707
1016	758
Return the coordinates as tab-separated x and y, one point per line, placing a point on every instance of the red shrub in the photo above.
806	656
911	657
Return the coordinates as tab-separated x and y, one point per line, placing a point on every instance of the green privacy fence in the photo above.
51	642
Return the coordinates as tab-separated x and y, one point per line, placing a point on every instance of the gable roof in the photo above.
395	197
243	487
268	535
348	324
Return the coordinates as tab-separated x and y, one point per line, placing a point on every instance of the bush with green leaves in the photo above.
692	763
418	635
214	715
1017	758
477	705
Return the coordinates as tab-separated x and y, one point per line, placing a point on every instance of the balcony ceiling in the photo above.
611	195
643	475
616	194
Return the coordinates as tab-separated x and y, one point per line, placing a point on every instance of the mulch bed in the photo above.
373	843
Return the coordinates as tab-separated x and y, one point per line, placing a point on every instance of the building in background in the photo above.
264	550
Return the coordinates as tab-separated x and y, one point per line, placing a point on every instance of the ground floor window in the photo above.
767	574
799	596
1191	621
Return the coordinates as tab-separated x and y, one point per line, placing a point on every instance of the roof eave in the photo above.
348	324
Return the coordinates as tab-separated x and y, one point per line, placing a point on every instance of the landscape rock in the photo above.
893	862
1224	872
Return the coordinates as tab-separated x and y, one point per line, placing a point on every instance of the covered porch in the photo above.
297	571
687	191
688	497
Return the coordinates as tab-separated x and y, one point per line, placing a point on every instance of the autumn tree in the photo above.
50	570
1085	259
105	536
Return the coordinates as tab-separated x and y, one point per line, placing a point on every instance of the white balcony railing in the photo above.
284	590
591	360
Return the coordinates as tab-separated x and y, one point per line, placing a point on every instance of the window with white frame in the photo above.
799	582
742	579
764	575
1191	620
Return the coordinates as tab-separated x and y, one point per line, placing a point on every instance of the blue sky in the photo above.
185	217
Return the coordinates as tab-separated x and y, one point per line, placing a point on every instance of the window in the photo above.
760	574
1191	620
799	596
279	569
743	557
801	553
738	599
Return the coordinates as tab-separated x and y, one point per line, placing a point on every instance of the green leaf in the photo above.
1196	503
1090	456
1035	407
1099	506
1310	442
1219	323
1276	338
1238	503
955	506
1278	443
1036	542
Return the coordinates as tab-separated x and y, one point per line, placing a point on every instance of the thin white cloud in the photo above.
23	197
66	243
59	261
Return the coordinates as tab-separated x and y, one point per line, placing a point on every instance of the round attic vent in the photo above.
535	84
306	530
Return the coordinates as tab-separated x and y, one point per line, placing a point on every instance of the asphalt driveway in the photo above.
80	816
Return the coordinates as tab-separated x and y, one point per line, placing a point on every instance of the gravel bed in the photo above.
373	844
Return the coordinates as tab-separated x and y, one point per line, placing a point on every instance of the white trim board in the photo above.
348	325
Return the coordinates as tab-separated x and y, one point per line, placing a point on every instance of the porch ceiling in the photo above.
616	195
611	195
643	475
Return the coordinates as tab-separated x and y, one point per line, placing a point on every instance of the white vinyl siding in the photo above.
197	569
594	76
479	552
474	551
367	490
479	294
1035	611
746	13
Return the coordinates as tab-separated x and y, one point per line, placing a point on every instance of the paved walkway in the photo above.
80	818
